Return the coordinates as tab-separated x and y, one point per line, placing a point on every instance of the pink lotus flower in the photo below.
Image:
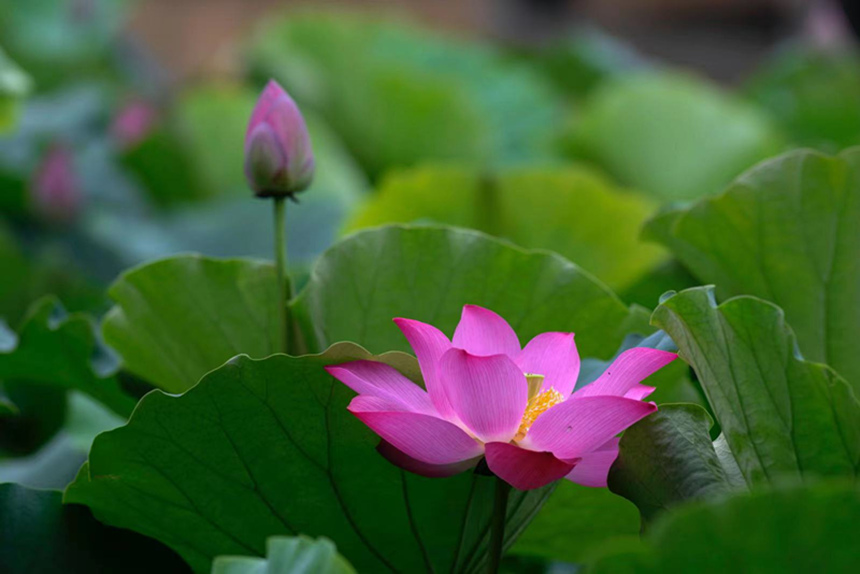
278	156
487	396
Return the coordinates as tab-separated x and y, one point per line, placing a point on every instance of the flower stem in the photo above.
281	266
497	526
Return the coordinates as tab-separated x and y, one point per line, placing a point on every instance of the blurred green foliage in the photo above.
793	529
14	85
583	59
673	136
57	41
287	555
566	209
812	95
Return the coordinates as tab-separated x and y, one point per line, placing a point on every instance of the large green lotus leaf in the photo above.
428	273
288	555
787	232
812	94
179	318
780	414
267	447
674	136
56	349
797	529
667	459
40	534
413	94
566	209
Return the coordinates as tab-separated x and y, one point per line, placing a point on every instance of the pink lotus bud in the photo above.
56	195
278	157
133	123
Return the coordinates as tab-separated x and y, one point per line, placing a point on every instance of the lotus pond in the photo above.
395	300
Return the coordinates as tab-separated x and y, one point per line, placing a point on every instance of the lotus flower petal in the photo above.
524	469
639	392
381	380
576	427
429	344
631	367
406	462
422	437
593	469
482	332
554	356
489	394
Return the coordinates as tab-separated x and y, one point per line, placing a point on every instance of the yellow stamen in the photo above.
538	404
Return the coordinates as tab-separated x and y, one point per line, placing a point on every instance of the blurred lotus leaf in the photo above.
792	530
41	534
585	58
671	135
288	555
61	40
813	95
566	209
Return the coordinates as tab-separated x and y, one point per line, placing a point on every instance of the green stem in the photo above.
281	266
497	526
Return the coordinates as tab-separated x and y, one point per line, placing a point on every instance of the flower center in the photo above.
539	402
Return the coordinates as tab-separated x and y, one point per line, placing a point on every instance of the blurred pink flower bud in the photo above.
55	193
133	123
278	156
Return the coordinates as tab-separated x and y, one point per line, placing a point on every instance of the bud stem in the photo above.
284	289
